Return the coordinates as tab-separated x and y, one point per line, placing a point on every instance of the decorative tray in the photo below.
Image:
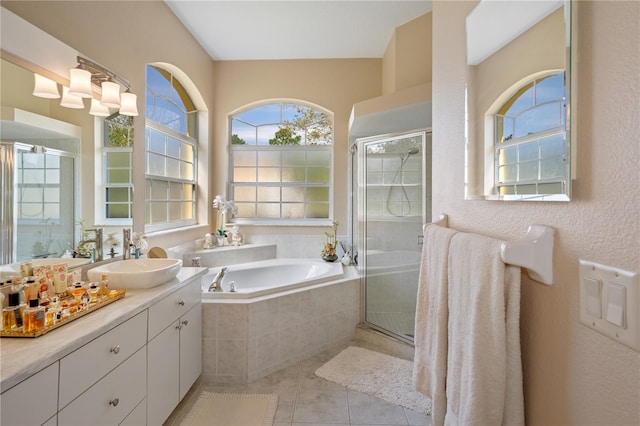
113	296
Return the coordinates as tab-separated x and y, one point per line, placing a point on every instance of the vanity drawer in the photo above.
173	307
110	401
33	401
138	416
85	366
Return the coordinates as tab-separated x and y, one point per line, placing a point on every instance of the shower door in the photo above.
393	202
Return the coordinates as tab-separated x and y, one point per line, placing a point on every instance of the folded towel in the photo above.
483	358
430	336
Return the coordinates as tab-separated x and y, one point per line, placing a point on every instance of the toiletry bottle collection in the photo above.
43	297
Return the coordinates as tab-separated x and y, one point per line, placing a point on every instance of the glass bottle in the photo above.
34	316
104	286
11	315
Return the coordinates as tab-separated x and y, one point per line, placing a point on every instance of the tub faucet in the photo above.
216	284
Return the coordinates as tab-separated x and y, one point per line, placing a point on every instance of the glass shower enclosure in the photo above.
38	202
392	198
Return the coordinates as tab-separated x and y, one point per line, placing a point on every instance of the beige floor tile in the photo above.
368	410
321	406
307	400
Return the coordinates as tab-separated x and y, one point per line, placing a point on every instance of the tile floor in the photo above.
307	400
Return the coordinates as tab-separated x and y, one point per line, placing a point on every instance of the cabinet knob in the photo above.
179	327
115	349
181	303
185	322
114	402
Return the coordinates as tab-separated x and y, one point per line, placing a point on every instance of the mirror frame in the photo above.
479	179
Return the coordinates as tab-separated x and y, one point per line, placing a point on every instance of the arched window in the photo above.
171	150
531	155
281	165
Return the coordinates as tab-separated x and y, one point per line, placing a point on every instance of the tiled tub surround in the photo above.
245	339
221	256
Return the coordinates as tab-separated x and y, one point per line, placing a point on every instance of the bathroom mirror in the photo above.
518	101
47	151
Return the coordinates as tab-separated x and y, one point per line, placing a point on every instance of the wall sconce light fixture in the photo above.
81	81
45	88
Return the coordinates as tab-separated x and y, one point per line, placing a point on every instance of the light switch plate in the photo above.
611	278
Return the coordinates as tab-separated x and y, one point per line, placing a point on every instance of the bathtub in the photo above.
283	311
265	277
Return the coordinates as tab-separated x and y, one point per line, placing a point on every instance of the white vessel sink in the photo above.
137	273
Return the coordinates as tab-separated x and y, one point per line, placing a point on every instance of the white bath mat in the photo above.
232	409
373	373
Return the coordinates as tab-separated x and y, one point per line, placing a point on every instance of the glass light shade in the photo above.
98	109
128	104
70	101
45	88
80	83
110	94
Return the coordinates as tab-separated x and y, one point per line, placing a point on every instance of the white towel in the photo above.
430	336
484	372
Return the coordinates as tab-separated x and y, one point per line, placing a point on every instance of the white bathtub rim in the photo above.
350	274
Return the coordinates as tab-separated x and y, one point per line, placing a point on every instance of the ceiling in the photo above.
295	29
491	25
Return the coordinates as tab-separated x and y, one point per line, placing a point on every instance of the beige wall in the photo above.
407	60
124	36
573	375
332	84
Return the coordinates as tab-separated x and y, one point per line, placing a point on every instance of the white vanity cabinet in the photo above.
103	381
127	364
32	401
174	350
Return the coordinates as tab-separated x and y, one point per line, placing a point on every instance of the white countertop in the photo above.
21	357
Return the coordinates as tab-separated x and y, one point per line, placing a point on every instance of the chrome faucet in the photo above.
127	243
216	284
96	240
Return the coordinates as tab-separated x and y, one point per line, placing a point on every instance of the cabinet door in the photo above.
163	378
190	348
172	307
32	401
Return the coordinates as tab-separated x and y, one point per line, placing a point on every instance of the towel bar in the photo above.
534	252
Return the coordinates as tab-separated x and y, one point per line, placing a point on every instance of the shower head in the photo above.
413	151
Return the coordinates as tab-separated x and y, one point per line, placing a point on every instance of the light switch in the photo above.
615	305
593	290
610	301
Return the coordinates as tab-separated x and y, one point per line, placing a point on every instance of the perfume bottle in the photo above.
11	315
104	286
93	293
34	316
